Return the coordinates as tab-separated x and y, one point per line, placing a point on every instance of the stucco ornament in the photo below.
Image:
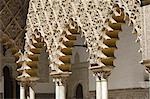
91	17
133	11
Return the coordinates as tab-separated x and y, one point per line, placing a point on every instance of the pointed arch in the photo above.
79	92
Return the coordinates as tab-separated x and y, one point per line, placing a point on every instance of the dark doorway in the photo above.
17	90
8	83
79	92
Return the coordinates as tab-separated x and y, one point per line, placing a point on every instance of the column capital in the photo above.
102	75
146	63
22	83
60	81
101	71
60	78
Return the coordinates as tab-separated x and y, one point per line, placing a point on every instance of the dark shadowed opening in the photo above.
79	92
8	84
17	91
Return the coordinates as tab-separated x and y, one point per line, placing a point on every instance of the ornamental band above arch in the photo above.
99	21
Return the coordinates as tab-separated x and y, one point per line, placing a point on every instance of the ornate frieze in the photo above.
93	19
146	30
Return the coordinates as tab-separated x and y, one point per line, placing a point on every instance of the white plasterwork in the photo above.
51	17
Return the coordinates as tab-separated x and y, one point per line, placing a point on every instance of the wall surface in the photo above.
79	70
128	73
135	93
45	83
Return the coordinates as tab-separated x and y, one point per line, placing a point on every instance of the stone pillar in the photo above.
56	90
60	90
98	88
101	86
104	88
60	80
31	93
22	91
101	74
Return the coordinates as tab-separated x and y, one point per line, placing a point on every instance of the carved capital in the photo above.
146	63
60	81
27	83
60	78
101	71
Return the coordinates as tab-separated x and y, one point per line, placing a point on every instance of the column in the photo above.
22	91
31	93
60	79
60	90
101	74
98	88
56	90
104	88
62	93
101	87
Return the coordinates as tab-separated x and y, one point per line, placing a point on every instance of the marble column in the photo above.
101	74
98	88
60	80
60	91
101	87
104	88
31	93
56	90
22	91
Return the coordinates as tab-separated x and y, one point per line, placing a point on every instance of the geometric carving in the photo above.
14	6
13	29
2	4
13	19
5	12
99	21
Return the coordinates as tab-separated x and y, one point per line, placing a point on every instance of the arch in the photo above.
30	58
99	21
102	54
79	92
8	83
127	60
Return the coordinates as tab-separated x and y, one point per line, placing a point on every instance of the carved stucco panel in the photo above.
146	31
51	18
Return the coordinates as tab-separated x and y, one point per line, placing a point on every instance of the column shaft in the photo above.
104	88
62	93
98	88
101	88
57	91
22	92
31	93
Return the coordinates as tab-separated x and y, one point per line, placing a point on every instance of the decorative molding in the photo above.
93	19
146	37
